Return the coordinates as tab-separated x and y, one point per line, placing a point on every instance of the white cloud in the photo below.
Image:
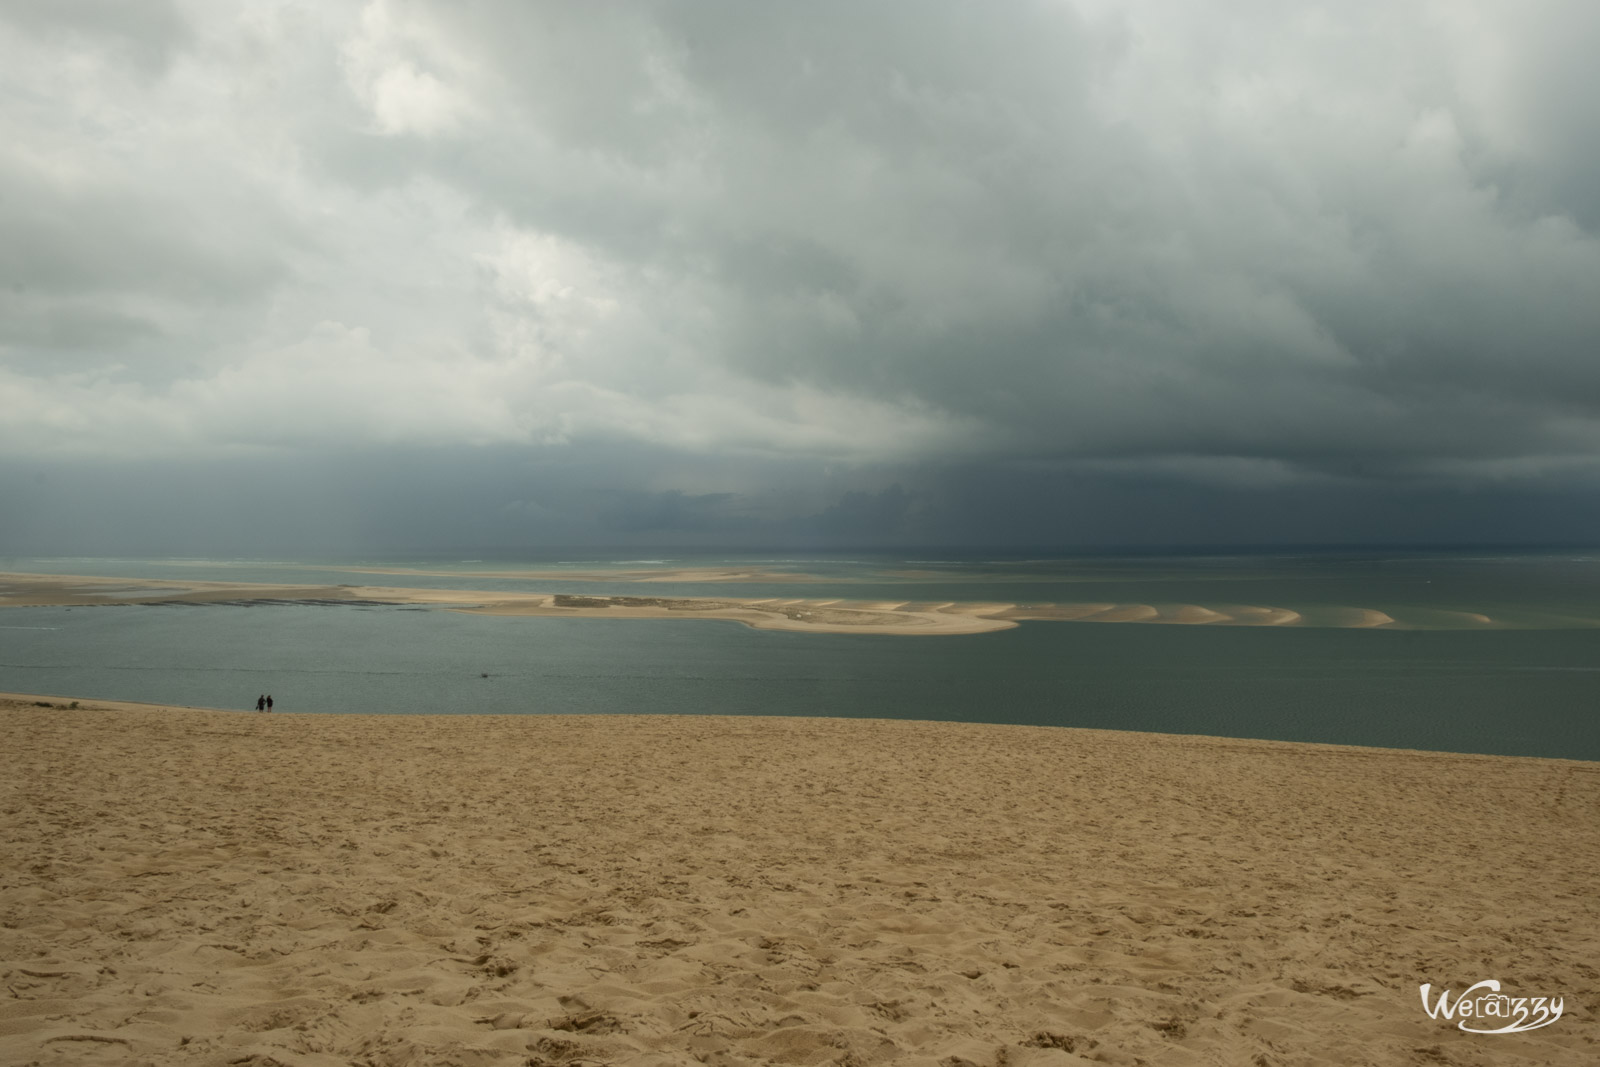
391	63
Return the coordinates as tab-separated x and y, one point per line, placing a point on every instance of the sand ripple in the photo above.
210	888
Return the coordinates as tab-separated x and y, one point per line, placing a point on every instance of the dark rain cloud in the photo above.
732	270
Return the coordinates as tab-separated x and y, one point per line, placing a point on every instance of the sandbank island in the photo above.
803	614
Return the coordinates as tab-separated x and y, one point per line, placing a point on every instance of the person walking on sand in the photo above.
269	701
261	702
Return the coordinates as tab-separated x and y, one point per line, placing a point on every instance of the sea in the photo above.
1527	683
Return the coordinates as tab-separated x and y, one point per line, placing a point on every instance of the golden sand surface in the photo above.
212	888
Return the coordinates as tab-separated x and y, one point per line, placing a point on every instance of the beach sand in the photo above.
182	886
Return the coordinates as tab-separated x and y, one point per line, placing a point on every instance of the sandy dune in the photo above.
191	887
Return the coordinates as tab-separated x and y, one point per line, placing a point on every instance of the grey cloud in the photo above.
113	239
859	517
1196	253
1554	95
493	503
669	512
146	33
899	211
48	324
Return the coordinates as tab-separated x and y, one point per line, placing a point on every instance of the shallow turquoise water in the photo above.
1515	692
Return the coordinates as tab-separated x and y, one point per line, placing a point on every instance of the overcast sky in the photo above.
407	275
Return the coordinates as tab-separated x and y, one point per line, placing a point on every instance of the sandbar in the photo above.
661	574
800	614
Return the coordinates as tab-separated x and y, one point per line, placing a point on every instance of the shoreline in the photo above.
188	887
12	701
21	701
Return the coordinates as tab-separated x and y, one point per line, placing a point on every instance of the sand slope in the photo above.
197	887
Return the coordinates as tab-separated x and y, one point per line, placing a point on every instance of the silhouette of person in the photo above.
269	701
261	702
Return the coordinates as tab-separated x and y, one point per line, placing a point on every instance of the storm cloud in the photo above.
1056	272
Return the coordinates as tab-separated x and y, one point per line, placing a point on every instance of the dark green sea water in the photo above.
1528	686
